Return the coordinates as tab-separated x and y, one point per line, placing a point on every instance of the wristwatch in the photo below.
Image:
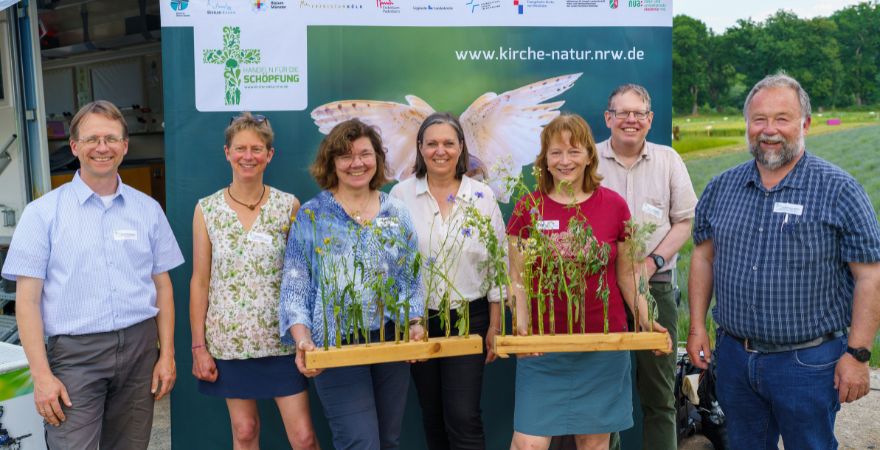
861	354
659	261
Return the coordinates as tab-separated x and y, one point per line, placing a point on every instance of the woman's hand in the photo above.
303	346
659	329
490	344
416	333
523	330
204	367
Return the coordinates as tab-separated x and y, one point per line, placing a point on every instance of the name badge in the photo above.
260	238
788	208
386	222
652	210
548	224
125	235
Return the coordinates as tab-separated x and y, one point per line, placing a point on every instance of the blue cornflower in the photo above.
431	261
451	198
478	194
534	210
466	232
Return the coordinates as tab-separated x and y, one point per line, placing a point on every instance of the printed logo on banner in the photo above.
259	5
654	5
482	5
179	5
613	4
218	8
521	4
388	6
318	4
432	8
634	3
583	3
232	57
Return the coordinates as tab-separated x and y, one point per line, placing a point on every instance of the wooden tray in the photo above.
589	342
360	354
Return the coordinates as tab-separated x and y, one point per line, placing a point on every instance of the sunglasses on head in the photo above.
258	118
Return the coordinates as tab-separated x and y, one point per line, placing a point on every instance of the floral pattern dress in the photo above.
246	268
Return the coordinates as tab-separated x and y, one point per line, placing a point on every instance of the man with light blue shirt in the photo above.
91	260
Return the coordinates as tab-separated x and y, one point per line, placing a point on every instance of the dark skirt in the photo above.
256	378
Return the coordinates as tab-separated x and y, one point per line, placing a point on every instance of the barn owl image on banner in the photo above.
502	131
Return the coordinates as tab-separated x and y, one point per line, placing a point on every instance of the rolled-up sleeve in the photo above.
29	250
297	292
166	252
702	225
683	200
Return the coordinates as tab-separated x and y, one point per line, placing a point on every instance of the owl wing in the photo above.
503	131
397	123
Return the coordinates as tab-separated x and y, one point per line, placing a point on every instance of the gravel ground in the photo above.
857	426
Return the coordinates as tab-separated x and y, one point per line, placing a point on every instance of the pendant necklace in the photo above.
251	206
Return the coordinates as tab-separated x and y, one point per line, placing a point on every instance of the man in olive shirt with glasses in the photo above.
655	183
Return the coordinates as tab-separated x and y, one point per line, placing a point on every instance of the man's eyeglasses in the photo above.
257	118
94	141
639	115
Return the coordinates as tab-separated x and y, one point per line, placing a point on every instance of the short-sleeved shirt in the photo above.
606	213
96	261
242	319
327	252
448	244
657	188
780	268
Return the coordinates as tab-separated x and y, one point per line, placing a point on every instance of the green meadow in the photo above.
854	146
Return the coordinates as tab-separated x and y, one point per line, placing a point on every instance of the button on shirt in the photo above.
443	241
780	269
96	261
657	188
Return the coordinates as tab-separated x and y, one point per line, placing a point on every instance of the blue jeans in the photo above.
364	405
790	393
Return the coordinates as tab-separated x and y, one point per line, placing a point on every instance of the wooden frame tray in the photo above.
360	354
589	342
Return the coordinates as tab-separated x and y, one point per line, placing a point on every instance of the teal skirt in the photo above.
573	393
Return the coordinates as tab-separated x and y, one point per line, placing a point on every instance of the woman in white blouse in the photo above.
437	197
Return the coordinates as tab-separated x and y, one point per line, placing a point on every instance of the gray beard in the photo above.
775	160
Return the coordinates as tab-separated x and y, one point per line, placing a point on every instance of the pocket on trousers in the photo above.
822	356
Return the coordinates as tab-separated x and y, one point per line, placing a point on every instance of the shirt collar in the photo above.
607	152
793	180
464	188
84	192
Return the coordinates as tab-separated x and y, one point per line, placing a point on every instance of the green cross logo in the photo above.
232	56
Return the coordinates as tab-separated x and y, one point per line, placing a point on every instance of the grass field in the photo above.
716	131
855	150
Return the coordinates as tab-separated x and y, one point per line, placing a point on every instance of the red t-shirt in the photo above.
606	213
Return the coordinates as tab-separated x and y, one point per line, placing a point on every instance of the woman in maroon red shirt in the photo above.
584	394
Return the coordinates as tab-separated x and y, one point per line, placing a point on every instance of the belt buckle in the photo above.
746	346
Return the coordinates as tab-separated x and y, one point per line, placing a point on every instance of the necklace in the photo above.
355	213
252	206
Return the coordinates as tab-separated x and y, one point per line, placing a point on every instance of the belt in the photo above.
662	277
756	346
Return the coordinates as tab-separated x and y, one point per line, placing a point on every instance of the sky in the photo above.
720	15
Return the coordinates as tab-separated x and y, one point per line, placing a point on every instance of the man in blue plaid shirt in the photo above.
790	246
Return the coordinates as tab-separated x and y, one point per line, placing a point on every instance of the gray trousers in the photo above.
107	376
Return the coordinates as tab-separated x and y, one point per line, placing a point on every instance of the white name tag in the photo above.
260	238
548	224
788	208
652	210
386	222
125	235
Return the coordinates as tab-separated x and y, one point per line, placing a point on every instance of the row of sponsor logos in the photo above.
231	7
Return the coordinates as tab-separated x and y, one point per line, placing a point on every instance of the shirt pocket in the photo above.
806	244
653	210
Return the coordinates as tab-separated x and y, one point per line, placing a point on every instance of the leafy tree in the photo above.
689	65
858	32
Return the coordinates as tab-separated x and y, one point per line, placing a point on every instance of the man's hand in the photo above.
46	394
204	367
698	341
164	374
490	344
660	329
851	379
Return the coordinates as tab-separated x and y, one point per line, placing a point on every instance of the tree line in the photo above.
836	58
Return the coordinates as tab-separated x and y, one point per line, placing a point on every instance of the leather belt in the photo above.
662	277
756	346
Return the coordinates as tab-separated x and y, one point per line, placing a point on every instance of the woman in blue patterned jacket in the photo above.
349	246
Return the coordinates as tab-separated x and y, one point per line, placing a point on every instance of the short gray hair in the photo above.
631	87
780	79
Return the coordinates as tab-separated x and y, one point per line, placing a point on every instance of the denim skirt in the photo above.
256	378
573	393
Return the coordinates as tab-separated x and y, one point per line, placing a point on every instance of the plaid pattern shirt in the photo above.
780	269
